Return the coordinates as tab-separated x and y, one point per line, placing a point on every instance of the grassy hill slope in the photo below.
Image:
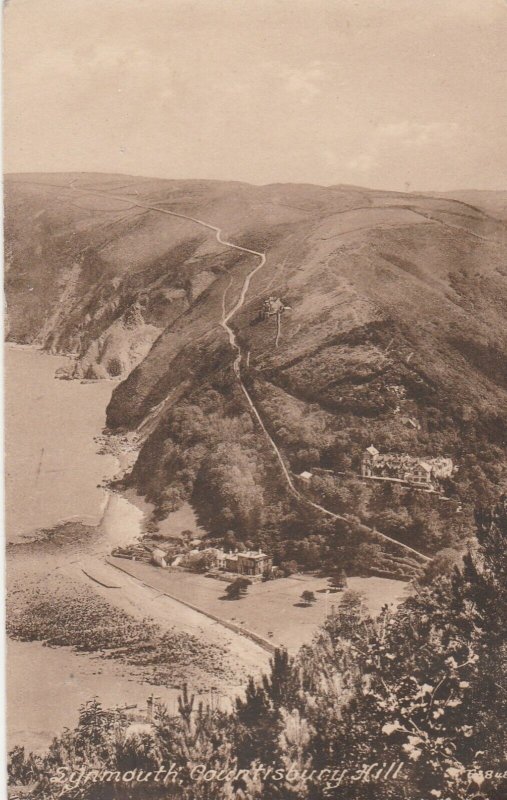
395	335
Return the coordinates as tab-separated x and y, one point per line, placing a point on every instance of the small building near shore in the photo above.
251	562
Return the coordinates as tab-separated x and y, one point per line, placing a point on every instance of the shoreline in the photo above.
55	556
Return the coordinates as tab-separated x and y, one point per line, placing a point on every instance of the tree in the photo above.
229	541
431	681
368	556
199	562
238	588
21	768
309	552
289	567
308	597
93	722
442	565
338	580
268	574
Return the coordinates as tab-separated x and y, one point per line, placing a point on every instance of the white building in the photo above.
305	476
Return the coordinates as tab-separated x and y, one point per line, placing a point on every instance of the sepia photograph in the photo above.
255	399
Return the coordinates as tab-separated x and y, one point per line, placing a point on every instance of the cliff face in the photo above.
117	350
95	276
396	310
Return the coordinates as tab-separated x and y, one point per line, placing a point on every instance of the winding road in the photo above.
224	323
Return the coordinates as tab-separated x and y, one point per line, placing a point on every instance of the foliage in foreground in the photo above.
426	685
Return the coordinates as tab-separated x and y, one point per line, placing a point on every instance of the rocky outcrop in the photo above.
117	351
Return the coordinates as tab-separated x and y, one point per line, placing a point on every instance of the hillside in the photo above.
396	335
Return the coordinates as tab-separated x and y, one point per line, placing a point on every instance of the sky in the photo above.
394	94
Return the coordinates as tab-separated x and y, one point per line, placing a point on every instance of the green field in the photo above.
272	610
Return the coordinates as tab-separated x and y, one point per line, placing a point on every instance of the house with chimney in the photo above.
250	563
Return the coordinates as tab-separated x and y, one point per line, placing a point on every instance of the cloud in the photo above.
364	162
371	92
416	133
305	83
388	137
